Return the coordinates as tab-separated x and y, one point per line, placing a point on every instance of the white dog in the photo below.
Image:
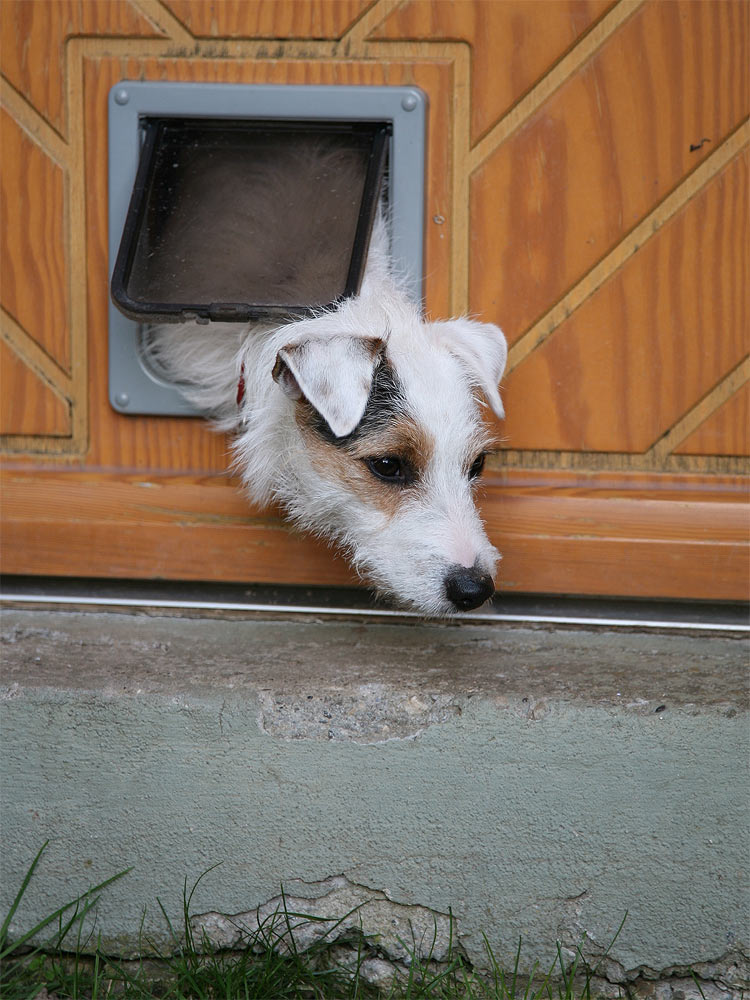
364	422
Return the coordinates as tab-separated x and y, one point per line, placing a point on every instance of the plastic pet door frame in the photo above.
133	387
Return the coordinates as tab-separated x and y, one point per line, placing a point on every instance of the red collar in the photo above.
241	385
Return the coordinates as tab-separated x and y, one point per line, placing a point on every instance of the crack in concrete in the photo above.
726	978
348	916
382	937
342	914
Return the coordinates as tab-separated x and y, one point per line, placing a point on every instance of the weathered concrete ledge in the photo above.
529	782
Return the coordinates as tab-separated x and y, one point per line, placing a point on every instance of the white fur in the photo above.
444	369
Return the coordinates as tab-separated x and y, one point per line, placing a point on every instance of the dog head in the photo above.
390	443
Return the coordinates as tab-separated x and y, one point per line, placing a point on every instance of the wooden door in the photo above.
587	190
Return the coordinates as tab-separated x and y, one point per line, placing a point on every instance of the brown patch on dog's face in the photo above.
353	462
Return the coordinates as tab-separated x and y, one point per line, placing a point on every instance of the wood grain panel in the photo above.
602	151
651	341
34	288
725	432
512	43
647	544
268	18
173	528
33	37
621	546
27	404
179	444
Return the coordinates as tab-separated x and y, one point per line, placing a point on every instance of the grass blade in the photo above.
20	894
7	949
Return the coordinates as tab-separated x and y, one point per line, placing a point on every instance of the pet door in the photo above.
245	220
237	203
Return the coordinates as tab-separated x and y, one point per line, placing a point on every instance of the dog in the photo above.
364	421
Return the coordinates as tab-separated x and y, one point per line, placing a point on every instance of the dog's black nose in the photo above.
467	588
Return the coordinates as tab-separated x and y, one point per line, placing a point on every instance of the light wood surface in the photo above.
29	405
268	18
512	43
611	143
725	432
634	357
34	286
35	35
571	198
596	539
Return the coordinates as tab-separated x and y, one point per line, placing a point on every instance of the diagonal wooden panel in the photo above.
513	42
665	448
268	18
651	342
34	288
33	36
631	244
27	404
725	432
601	152
27	349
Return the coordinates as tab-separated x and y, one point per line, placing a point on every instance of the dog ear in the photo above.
333	374
482	350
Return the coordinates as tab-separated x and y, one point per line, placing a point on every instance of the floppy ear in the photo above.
333	374
482	350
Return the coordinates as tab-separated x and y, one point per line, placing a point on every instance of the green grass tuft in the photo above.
269	967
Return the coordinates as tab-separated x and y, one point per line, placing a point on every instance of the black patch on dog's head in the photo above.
386	400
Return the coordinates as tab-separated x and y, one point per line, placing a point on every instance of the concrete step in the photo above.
531	782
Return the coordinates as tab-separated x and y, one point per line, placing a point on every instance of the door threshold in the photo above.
336	602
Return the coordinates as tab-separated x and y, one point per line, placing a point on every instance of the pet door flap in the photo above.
241	219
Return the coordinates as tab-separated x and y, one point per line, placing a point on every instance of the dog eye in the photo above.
389	468
477	466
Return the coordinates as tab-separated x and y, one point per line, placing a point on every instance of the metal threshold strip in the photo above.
553	612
